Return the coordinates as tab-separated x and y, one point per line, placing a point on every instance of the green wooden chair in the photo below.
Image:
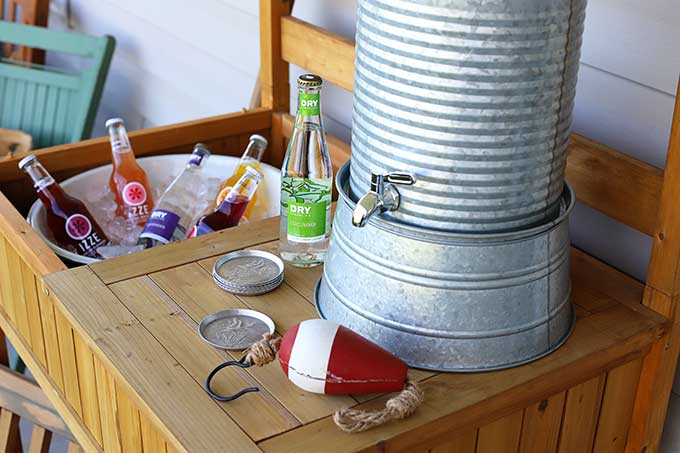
53	105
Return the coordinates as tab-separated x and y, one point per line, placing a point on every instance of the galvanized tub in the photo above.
476	98
448	301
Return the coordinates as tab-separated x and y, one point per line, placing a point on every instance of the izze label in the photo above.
79	228
134	194
161	226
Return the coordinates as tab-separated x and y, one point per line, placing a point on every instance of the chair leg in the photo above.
10	438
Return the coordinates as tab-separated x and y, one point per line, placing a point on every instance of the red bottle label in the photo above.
134	194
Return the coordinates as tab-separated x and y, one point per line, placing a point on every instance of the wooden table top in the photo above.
140	312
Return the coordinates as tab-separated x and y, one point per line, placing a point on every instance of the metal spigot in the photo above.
382	197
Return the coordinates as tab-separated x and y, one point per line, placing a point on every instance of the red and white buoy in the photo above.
323	357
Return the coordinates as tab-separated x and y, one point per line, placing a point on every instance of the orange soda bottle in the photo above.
252	157
128	181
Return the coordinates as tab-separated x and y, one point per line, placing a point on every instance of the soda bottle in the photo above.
251	158
128	181
306	180
229	212
177	209
69	221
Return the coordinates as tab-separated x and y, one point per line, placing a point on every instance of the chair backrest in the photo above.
52	105
29	12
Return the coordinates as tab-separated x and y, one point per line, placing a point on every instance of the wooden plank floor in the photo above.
141	315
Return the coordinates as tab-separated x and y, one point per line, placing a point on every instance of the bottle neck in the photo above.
309	105
242	191
43	182
254	151
120	143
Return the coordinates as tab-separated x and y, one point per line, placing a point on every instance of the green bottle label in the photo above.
307	204
309	104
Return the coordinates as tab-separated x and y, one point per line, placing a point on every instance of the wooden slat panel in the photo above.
33	311
192	288
617	407
69	368
6	280
318	51
108	407
143	367
541	425
461	443
177	253
18	298
151	440
40	440
581	412
129	422
260	415
49	327
501	436
88	387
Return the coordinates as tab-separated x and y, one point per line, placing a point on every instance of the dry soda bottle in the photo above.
229	212
306	179
178	208
252	157
128	180
69	221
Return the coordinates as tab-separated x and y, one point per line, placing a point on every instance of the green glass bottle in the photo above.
306	182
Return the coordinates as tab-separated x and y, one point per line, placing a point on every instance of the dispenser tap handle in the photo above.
402	179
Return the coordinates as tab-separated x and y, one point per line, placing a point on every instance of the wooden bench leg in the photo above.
40	440
10	438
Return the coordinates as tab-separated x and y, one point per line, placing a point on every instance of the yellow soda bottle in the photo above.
252	157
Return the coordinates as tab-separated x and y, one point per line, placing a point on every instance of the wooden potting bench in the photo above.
114	344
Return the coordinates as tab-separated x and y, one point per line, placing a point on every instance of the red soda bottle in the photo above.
69	221
229	212
128	180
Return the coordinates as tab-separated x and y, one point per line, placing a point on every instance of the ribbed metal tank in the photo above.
474	97
450	301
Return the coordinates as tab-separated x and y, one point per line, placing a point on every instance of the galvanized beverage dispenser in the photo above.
450	245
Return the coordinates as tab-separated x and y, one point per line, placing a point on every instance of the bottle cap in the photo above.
26	161
114	122
259	138
309	81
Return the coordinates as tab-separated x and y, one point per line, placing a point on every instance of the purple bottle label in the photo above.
202	229
196	158
161	226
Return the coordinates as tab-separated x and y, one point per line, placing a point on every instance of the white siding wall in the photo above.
176	61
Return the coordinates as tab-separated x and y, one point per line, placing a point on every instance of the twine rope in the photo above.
349	420
397	408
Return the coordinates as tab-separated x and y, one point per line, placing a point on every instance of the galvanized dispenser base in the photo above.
449	301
